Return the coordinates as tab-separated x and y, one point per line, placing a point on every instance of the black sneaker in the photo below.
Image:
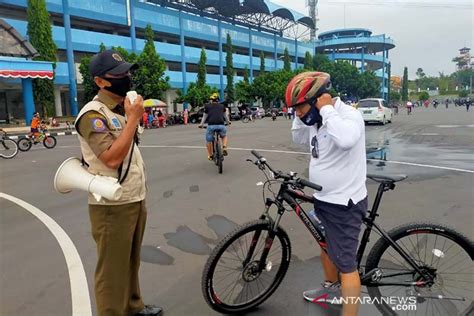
150	310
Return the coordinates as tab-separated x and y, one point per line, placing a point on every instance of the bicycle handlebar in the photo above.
312	185
286	177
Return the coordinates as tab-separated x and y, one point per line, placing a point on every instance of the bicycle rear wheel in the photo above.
8	148
220	155
24	144
232	285
439	251
49	142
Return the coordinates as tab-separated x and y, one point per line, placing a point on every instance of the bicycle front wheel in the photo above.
49	142
439	251
8	149
24	144
233	283
245	119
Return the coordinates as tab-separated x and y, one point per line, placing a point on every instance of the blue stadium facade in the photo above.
181	29
361	48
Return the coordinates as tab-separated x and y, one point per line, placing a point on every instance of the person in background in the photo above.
185	116
144	120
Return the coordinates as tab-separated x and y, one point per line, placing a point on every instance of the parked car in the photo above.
196	116
375	110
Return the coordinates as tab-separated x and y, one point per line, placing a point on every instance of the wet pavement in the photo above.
191	207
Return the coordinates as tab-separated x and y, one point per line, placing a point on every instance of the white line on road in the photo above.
303	153
81	305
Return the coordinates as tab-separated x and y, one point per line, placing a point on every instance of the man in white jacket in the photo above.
335	133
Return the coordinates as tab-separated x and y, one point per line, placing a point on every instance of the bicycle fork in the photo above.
268	240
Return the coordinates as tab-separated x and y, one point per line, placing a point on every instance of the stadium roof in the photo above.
260	14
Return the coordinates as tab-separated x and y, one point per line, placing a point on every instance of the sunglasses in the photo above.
315	149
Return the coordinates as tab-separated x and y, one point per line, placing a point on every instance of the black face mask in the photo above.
120	86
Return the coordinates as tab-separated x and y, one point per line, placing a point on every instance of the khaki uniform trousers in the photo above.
118	232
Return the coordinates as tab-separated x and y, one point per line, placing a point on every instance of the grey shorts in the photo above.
342	226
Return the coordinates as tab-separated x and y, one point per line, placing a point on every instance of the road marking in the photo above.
300	153
429	134
47	134
81	305
423	165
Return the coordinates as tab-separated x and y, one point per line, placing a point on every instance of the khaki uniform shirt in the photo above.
97	128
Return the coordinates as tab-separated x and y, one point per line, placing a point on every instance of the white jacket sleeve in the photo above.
345	129
300	132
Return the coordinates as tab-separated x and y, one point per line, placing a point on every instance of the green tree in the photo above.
149	78
286	60
462	78
262	62
201	75
102	47
419	73
460	62
405	85
229	70
322	63
308	61
423	96
243	89
368	85
39	32
88	84
271	86
395	96
198	95
463	93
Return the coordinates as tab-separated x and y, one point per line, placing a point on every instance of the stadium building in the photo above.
181	28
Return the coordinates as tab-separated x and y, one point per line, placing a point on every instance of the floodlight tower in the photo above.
313	12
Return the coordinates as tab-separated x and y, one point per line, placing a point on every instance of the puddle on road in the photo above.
220	225
385	147
189	241
152	254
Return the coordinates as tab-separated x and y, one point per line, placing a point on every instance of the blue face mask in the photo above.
312	117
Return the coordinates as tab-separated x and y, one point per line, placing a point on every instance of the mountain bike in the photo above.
25	143
8	147
218	155
430	264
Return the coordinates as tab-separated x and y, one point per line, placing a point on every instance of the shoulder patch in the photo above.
98	124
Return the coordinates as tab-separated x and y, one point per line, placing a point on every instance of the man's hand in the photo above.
323	100
134	111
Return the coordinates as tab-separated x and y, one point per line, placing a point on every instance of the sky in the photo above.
427	33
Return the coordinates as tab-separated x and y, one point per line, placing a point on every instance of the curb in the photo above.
48	134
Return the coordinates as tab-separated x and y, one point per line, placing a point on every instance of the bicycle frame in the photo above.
294	199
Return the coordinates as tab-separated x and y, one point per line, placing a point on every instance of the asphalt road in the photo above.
190	207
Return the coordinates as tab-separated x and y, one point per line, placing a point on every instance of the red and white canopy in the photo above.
23	74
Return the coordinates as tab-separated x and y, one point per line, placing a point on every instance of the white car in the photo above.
375	110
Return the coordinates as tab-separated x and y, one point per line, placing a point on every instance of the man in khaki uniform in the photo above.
109	147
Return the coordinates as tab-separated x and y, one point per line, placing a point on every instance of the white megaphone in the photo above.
71	175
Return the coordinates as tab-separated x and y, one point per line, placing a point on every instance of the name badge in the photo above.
116	123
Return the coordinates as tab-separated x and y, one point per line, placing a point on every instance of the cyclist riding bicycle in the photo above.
216	118
335	133
34	127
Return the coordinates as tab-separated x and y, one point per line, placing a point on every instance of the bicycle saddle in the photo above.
386	177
